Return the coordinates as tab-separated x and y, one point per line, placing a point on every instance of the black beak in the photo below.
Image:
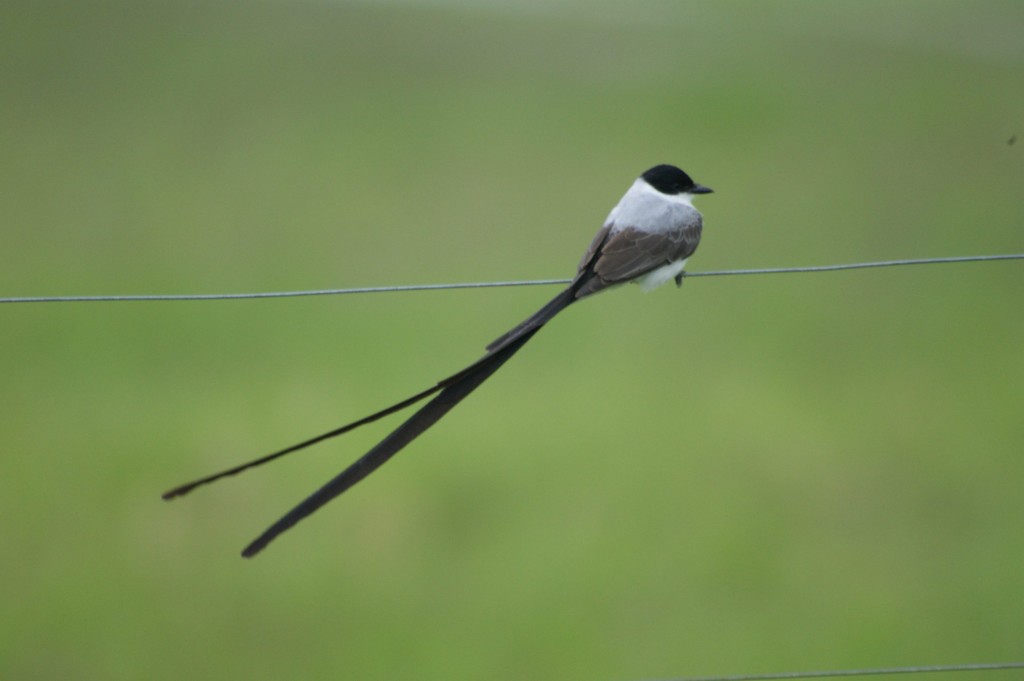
701	189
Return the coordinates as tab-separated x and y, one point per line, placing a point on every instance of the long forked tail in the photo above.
538	319
558	303
419	422
182	490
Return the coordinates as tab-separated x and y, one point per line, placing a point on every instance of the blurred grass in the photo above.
770	473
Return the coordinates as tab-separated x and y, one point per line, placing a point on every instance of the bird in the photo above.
646	239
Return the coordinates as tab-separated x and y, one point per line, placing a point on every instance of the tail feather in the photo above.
538	319
449	392
182	490
419	422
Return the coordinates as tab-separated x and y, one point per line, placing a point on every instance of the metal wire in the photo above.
495	284
883	671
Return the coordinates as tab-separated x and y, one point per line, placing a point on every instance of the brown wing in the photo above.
593	249
629	253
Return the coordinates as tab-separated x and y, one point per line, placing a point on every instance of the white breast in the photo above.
644	207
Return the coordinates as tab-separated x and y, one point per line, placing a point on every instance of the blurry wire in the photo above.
934	669
495	284
863	265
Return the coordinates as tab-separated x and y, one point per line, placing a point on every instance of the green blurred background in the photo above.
750	474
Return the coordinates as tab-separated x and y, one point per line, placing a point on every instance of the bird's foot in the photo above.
679	279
